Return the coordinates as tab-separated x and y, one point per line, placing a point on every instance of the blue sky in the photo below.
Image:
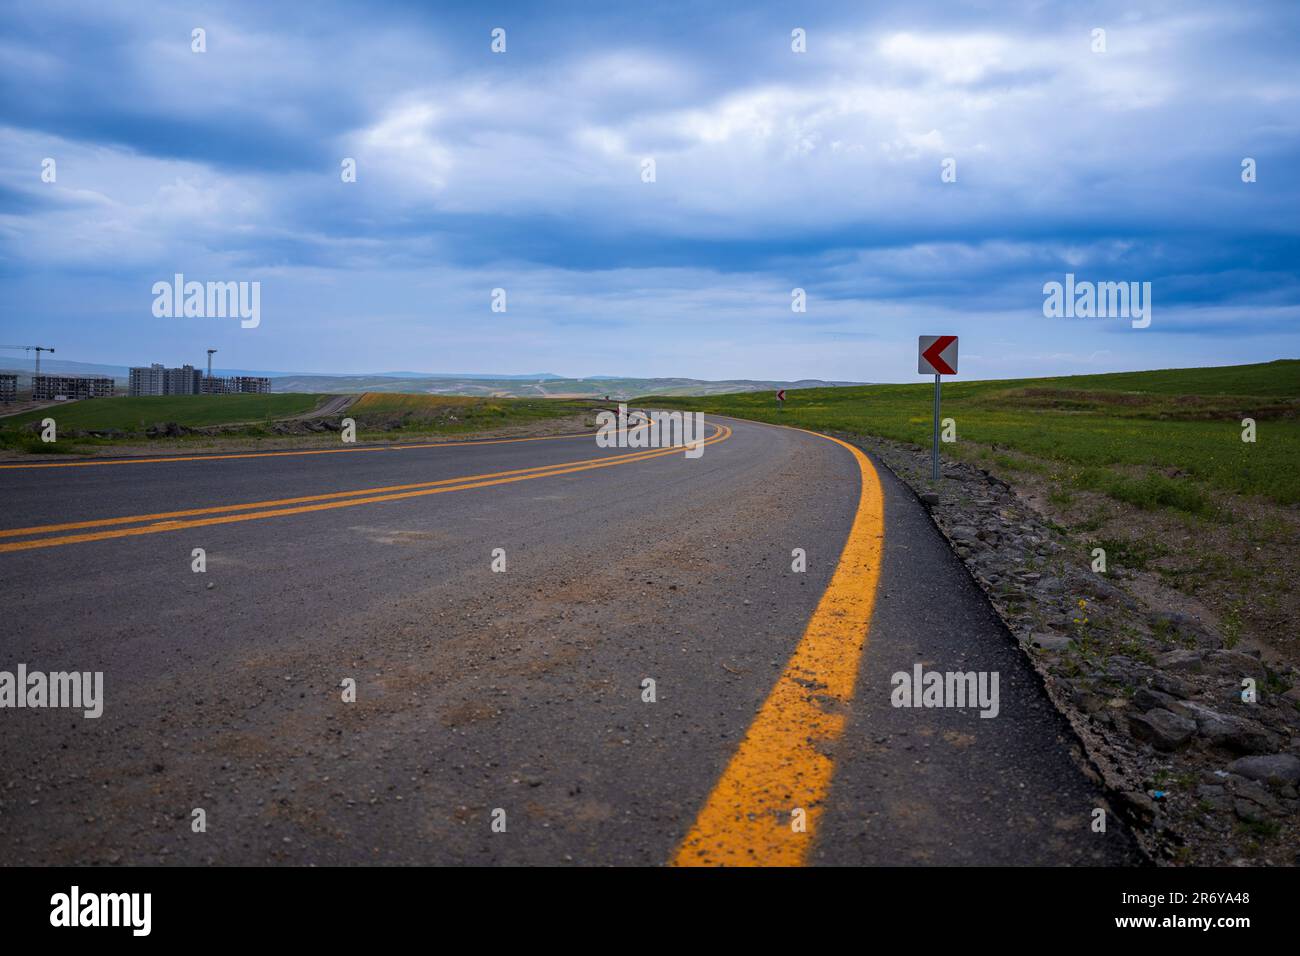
773	170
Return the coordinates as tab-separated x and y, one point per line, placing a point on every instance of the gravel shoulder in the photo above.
1195	732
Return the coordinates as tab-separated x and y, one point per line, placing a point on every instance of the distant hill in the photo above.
540	385
462	375
25	367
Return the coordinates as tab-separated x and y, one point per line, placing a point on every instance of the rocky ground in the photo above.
1197	734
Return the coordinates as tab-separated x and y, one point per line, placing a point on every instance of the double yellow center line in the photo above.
106	528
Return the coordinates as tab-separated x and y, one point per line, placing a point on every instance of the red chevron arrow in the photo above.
932	354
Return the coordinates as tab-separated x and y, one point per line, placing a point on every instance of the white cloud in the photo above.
950	59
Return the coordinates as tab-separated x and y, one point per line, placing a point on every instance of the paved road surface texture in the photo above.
651	679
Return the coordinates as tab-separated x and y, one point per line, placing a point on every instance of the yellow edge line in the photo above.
783	763
723	434
286	454
246	506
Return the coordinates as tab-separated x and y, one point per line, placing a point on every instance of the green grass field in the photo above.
452	414
377	415
1155	439
130	414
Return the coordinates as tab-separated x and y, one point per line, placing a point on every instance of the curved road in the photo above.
518	696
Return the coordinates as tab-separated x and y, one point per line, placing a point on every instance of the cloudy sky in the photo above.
774	170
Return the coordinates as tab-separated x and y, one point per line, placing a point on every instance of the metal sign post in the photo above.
937	354
934	458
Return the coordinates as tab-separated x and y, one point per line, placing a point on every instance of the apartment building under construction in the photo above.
47	388
159	380
236	385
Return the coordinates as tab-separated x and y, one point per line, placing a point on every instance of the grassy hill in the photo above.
1159	438
252	416
135	413
1280	379
448	414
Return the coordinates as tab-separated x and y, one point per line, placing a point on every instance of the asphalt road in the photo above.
515	696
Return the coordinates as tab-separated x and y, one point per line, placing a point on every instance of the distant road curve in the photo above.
336	404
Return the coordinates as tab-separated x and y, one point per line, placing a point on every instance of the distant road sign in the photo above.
780	395
936	355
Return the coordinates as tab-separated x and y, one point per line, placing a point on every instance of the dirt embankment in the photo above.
1192	721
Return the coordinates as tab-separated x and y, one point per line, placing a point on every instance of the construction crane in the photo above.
38	349
210	354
